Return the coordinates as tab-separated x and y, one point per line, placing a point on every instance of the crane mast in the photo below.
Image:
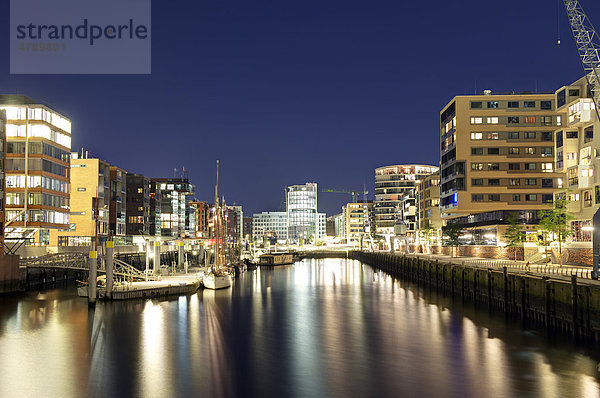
588	44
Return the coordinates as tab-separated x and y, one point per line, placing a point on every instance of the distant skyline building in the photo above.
41	135
138	205
392	183
269	224
303	219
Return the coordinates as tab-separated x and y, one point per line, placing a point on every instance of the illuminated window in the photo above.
547	167
531	197
476	120
529	151
513	150
477	166
493	166
515	182
492	104
476	136
492	120
529	119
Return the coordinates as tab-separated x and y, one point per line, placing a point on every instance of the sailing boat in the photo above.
218	276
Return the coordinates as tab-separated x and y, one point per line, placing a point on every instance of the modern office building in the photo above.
155	208
355	215
247	229
137	205
90	203
303	220
174	215
270	224
407	215
118	201
41	135
392	183
497	158
429	222
577	149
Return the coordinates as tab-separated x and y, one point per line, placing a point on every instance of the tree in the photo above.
514	232
451	232
555	220
427	232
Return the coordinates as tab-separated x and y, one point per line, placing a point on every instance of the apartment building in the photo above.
201	216
90	203
497	158
393	184
355	215
429	222
42	135
137	205
577	151
155	208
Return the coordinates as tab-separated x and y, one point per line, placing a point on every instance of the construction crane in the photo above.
588	44
355	194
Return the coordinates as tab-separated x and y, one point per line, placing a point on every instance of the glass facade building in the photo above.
303	219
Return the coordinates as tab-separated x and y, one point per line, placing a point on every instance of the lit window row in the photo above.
38	113
38	130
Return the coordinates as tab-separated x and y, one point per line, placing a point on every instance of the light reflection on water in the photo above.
317	328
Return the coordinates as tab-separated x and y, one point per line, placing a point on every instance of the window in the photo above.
571	134
476	151
574	92
513	135
531	197
513	119
546	135
585	155
572	176
476	166
493	151
513	150
546	105
81	189
477	181
493	136
477	197
547	198
493	166
476	136
529	119
558	121
492	120
476	120
514	182
516	198
530	135
547	167
588	134
547	183
561	99
494	197
513	104
546	151
529	166
529	151
493	181
546	120
571	155
476	105
492	104
574	197
528	104
559	139
514	166
530	181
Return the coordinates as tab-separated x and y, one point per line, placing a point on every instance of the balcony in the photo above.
580	112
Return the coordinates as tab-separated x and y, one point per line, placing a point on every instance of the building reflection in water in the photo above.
317	328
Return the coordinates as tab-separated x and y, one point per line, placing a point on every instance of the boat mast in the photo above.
217	223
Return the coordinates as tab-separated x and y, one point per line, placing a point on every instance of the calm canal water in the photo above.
319	328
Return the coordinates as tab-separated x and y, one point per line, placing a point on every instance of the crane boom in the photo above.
354	194
588	44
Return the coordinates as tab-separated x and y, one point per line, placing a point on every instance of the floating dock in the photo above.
168	286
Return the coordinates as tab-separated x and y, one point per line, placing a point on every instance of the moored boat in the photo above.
272	259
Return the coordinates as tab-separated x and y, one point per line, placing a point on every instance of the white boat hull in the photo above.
212	281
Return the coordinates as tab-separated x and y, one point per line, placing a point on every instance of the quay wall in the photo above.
9	274
567	305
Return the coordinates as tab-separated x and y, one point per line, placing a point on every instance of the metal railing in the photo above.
544	269
79	261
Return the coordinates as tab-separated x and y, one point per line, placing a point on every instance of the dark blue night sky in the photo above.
289	92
